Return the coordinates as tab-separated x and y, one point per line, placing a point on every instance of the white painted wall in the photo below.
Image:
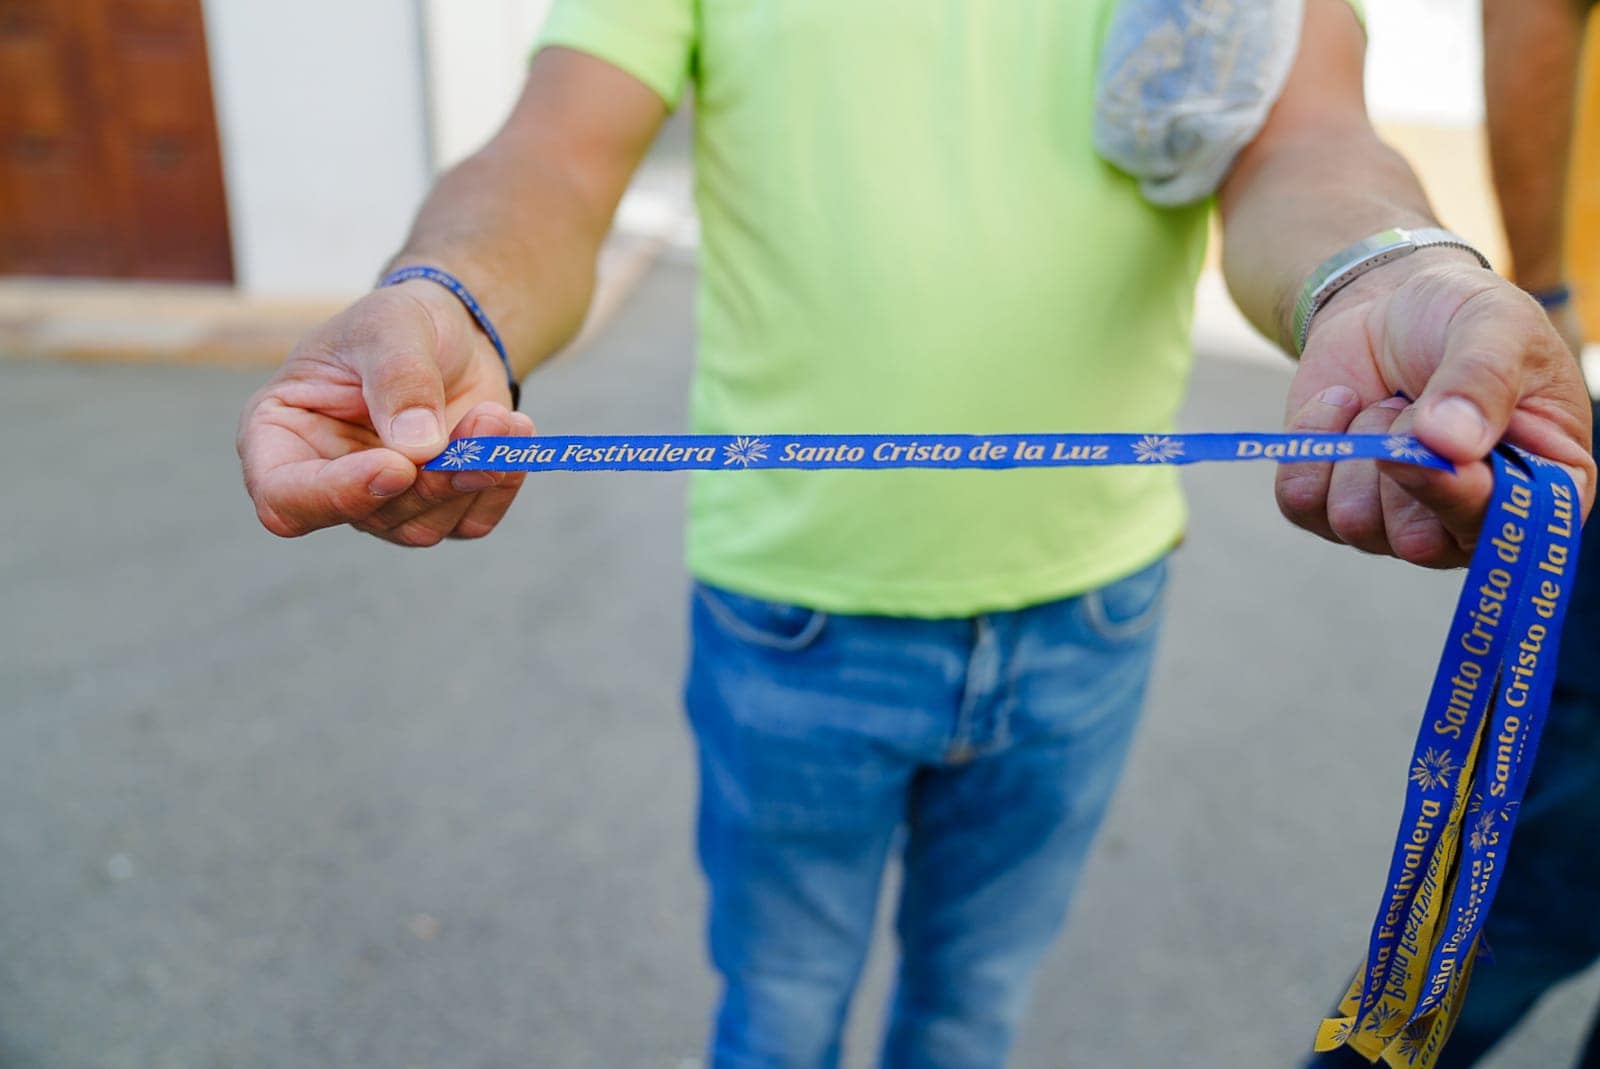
324	143
477	56
1424	61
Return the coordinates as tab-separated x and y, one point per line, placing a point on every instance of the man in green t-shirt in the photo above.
905	228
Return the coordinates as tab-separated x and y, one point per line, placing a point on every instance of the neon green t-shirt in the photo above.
905	229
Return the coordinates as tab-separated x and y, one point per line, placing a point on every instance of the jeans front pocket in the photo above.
1128	608
773	625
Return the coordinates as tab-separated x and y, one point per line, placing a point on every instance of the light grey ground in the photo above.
327	802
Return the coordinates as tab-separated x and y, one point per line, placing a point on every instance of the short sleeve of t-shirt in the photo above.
653	40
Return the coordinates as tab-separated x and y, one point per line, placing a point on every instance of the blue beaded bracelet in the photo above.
1554	297
464	295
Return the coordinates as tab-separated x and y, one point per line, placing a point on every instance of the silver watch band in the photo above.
1349	264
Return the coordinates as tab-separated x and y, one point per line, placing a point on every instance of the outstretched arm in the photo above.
1477	354
338	433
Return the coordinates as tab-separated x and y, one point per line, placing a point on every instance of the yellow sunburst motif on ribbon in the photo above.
1433	769
1157	449
1405	447
462	452
1483	833
744	452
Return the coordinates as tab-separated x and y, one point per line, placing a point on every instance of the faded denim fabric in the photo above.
985	749
1185	84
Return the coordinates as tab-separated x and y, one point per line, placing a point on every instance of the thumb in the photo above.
404	391
1469	399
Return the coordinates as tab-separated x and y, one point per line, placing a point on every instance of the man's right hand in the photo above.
338	434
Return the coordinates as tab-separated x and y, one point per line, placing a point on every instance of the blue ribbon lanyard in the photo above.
1485	711
1469	768
812	452
1522	699
1457	704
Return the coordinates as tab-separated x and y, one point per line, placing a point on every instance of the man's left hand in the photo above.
1483	363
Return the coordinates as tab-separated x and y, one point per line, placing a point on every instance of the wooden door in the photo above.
109	162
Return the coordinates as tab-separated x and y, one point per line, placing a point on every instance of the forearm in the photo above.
522	239
1316	178
1300	204
521	221
1530	69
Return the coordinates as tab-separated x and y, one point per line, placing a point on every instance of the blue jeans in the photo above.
993	742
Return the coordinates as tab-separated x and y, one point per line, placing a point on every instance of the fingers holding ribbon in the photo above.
1502	373
444	504
1355	501
1484	364
489	505
1433	521
305	474
1302	489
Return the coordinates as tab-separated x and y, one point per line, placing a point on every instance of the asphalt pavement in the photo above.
332	803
